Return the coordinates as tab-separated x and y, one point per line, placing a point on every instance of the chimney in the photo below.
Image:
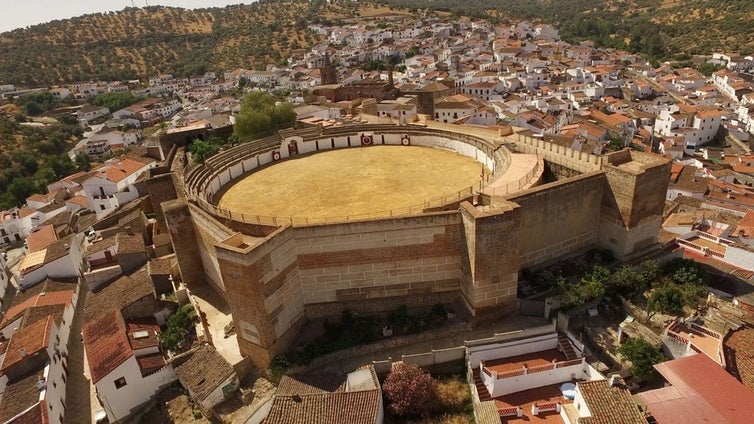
615	381
22	352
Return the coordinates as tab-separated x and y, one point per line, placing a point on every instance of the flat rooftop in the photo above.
531	360
525	399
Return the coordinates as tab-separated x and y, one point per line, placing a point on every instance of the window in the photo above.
102	207
120	382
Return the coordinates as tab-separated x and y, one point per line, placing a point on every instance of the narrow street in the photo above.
77	391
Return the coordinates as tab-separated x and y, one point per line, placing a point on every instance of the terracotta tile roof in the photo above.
745	227
118	295
136	339
100	245
130	243
119	169
35	415
24	212
331	408
19	396
36	197
46	286
58	249
160	266
64	298
311	384
150	363
78	200
609	405
41	238
700	391
739	355
106	344
31	339
204	371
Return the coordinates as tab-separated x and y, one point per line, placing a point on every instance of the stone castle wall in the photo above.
473	254
559	219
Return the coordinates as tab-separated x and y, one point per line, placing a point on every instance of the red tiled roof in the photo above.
150	363
330	408
31	339
106	344
52	298
40	239
609	405
35	415
739	355
150	326
701	392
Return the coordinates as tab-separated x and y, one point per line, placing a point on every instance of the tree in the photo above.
177	327
201	150
83	161
668	299
409	390
260	116
642	355
115	101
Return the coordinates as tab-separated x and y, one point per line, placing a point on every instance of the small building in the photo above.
699	391
208	377
306	399
125	362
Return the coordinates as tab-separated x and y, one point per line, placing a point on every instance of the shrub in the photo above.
409	390
452	394
177	327
278	367
642	355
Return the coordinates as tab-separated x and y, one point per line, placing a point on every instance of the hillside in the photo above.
659	29
138	42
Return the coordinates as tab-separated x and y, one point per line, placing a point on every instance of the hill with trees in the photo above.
662	30
138	42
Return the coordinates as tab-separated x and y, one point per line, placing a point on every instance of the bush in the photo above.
642	355
278	368
452	394
177	327
410	391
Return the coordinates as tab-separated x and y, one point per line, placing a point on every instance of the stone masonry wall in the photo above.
559	219
411	256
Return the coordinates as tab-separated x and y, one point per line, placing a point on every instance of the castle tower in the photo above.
632	201
490	259
328	74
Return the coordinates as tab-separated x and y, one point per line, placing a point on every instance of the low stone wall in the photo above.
391	343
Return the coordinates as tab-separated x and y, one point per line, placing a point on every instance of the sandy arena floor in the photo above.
349	182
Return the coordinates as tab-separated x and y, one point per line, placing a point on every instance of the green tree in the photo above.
201	150
642	355
83	161
20	189
115	101
668	299
177	327
260	115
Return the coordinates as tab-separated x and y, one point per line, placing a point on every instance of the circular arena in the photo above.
377	181
311	176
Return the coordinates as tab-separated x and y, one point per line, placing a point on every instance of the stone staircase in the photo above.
565	346
481	389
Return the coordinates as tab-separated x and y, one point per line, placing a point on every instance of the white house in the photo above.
125	362
89	113
34	372
113	184
61	259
